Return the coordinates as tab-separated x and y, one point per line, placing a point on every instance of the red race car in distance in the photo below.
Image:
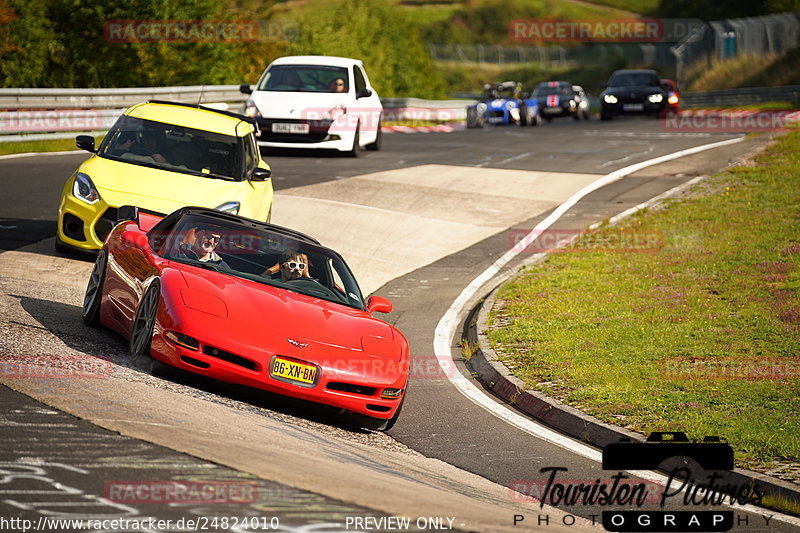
673	98
250	303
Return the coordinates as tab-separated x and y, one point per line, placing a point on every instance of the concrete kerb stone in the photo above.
564	418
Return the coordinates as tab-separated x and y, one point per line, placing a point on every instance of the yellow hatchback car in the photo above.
161	156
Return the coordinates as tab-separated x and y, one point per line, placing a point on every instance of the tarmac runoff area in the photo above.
385	224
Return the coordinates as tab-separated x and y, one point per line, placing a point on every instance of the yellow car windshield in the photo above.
174	148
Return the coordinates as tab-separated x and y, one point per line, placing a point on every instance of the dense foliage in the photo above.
61	43
397	62
716	10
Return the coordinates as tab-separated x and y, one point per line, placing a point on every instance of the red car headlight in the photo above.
182	340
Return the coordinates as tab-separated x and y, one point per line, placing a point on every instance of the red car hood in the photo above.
270	315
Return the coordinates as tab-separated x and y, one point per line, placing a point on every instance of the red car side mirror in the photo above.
378	304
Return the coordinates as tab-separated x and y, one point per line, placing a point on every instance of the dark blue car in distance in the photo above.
560	99
503	104
633	92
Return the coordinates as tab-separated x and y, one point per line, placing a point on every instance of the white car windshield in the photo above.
305	78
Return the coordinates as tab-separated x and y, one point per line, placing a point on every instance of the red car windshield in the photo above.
268	257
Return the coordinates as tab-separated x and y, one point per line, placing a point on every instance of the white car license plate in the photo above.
633	107
280	127
552	110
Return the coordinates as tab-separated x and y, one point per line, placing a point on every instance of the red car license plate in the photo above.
292	370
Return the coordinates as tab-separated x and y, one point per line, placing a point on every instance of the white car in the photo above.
316	102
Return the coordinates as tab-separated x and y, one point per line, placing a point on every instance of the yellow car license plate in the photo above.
283	368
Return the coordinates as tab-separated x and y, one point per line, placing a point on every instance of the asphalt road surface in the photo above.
32	185
437	422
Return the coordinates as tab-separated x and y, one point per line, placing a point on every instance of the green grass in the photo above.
746	71
601	330
765	106
54	145
782	504
645	7
484	21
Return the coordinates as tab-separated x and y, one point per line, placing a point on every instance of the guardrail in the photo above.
37	114
115	98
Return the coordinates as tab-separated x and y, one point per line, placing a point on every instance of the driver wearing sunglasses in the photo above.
201	245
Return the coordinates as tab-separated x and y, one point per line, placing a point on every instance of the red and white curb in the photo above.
441	128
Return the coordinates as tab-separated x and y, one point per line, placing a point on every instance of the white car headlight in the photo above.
84	189
655	98
481	107
336	112
229	207
511	105
610	99
251	110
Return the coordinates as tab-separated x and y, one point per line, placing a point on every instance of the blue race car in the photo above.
502	104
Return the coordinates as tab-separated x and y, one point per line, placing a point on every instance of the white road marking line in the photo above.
626	158
445	329
514	158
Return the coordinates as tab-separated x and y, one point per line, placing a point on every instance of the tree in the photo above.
397	63
66	43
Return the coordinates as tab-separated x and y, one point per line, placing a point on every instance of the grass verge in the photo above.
766	70
50	145
701	335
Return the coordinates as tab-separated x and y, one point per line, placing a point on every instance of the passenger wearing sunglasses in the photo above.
293	265
339	85
201	247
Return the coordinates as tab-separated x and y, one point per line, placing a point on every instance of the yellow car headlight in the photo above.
84	189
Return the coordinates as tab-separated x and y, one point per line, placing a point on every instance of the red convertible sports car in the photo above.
250	303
